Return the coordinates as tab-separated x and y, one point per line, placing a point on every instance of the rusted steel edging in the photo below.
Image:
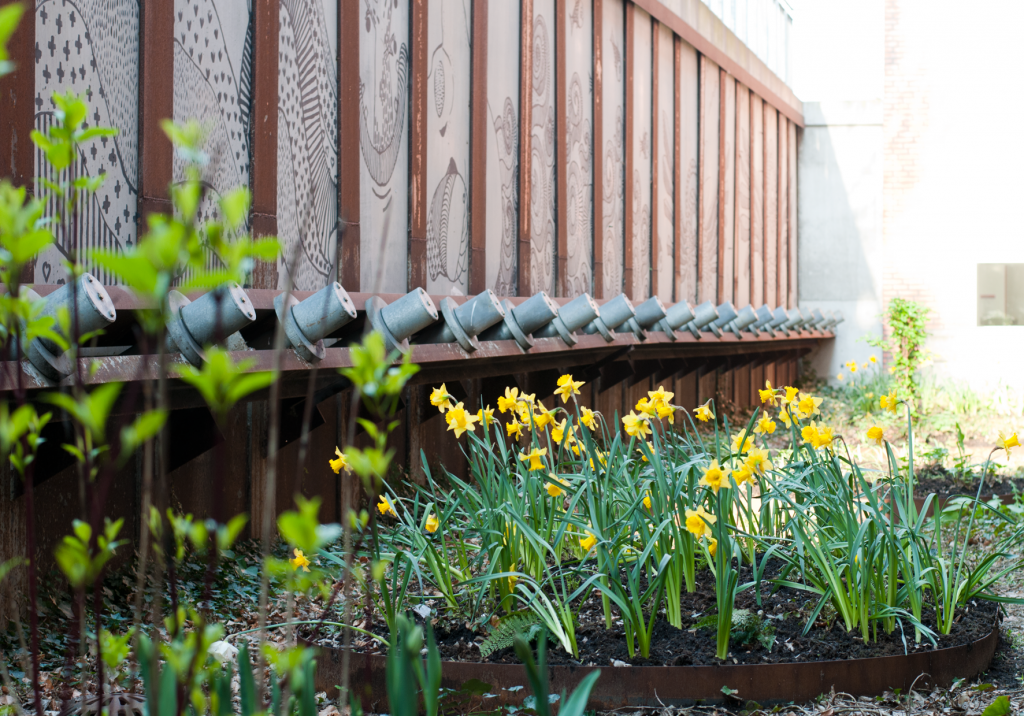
632	686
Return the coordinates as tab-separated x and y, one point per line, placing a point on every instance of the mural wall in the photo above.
665	158
613	154
542	150
640	194
579	138
307	142
91	47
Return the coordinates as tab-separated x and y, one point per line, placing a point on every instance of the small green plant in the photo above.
503	635
907	334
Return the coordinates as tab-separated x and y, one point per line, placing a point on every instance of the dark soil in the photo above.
940	481
787	610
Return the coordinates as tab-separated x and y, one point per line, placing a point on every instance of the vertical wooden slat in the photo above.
525	143
707	247
263	132
687	209
741	287
349	23
156	103
478	153
418	147
598	124
783	257
17	155
726	185
627	258
656	150
792	295
771	204
561	152
756	200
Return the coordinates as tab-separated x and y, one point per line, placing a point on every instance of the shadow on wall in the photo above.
840	224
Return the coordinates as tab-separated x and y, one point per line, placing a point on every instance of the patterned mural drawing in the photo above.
307	141
689	139
579	111
91	47
448	120
666	168
613	156
707	258
502	185
641	141
542	140
384	145
212	83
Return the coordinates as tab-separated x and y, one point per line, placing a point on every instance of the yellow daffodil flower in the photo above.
385	507
567	387
514	428
698	522
508	401
785	417
647	500
432	524
534	456
808	405
758	461
485	416
589	418
714	477
542	418
460	421
824	438
554	488
667	411
742	475
810	434
645	406
839	377
643	455
440	399
588	542
703	412
512	579
558	432
636	425
712	546
864	366
765	425
889	402
872	359
768	393
299	561
660	395
1008	441
790	396
741	443
340	463
875	433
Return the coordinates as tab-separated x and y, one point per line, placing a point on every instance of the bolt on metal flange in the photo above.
703	315
571	317
94	311
219	313
397	321
611	315
522	320
463	324
307	322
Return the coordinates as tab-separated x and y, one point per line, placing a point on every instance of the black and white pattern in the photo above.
91	47
447	142
542	151
579	138
212	83
384	144
613	204
307	142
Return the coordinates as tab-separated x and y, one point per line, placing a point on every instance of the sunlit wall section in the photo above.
578	35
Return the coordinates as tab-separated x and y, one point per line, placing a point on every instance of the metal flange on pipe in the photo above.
218	314
610	316
94	311
726	312
676	316
399	320
462	324
781	318
571	317
647	315
522	320
308	322
703	315
764	319
745	318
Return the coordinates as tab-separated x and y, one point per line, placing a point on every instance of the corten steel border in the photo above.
633	686
561	153
266	17
597	152
348	143
525	143
478	152
629	47
156	103
418	148
704	46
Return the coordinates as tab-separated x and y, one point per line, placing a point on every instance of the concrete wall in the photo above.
840	227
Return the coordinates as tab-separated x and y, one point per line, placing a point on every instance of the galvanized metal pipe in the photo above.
610	316
462	324
212	318
703	315
522	320
571	317
397	321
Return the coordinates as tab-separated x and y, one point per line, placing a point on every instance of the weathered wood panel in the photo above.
639	144
756	200
771	204
542	150
726	187
613	152
707	250
793	217
782	263
665	158
687	224
577	203
741	289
